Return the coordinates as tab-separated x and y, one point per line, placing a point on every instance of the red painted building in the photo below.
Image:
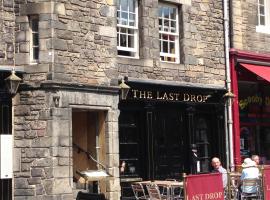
250	77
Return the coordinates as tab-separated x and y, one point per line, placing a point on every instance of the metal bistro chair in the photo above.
232	191
154	193
138	191
248	184
164	189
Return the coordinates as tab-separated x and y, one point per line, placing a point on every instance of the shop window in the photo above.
169	33
127	28
34	39
263	16
203	145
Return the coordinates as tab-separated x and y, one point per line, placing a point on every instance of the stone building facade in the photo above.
245	31
249	27
75	75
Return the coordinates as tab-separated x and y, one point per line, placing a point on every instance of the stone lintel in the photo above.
186	2
43	8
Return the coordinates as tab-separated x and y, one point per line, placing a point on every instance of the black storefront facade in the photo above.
160	128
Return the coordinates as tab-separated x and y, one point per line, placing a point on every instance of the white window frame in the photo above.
32	32
264	28
134	51
175	34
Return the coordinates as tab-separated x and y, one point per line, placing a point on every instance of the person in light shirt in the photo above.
256	159
216	164
250	171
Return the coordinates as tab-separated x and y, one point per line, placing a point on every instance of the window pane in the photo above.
160	11
170	59
172	48
130	31
166	22
123	40
130	41
124	18
132	6
173	26
162	58
172	38
34	25
262	20
165	37
173	13
262	10
35	53
35	39
166	26
261	1
123	30
166	12
124	5
165	47
132	19
160	24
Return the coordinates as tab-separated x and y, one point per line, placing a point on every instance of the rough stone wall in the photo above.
201	46
43	142
86	42
244	35
77	41
7	29
78	45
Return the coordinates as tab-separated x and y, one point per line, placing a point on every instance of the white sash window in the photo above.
169	33
263	16
127	28
34	39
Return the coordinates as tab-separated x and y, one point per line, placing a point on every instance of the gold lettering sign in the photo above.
169	96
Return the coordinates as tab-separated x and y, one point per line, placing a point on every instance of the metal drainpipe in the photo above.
51	51
229	127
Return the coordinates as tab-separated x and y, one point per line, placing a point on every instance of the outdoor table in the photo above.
169	185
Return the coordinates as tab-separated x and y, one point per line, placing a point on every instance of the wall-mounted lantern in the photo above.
229	94
124	89
12	83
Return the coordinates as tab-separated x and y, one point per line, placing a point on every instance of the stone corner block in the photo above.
59	8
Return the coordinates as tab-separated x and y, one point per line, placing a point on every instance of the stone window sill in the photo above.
263	29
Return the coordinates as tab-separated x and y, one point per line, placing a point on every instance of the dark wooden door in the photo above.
167	144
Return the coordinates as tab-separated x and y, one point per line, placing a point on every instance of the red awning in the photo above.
260	70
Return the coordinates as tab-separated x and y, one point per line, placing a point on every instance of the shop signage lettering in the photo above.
204	187
208	196
266	181
243	103
169	96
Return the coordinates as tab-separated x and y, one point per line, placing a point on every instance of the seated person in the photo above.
216	164
256	159
250	171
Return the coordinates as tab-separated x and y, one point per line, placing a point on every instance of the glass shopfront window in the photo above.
254	110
